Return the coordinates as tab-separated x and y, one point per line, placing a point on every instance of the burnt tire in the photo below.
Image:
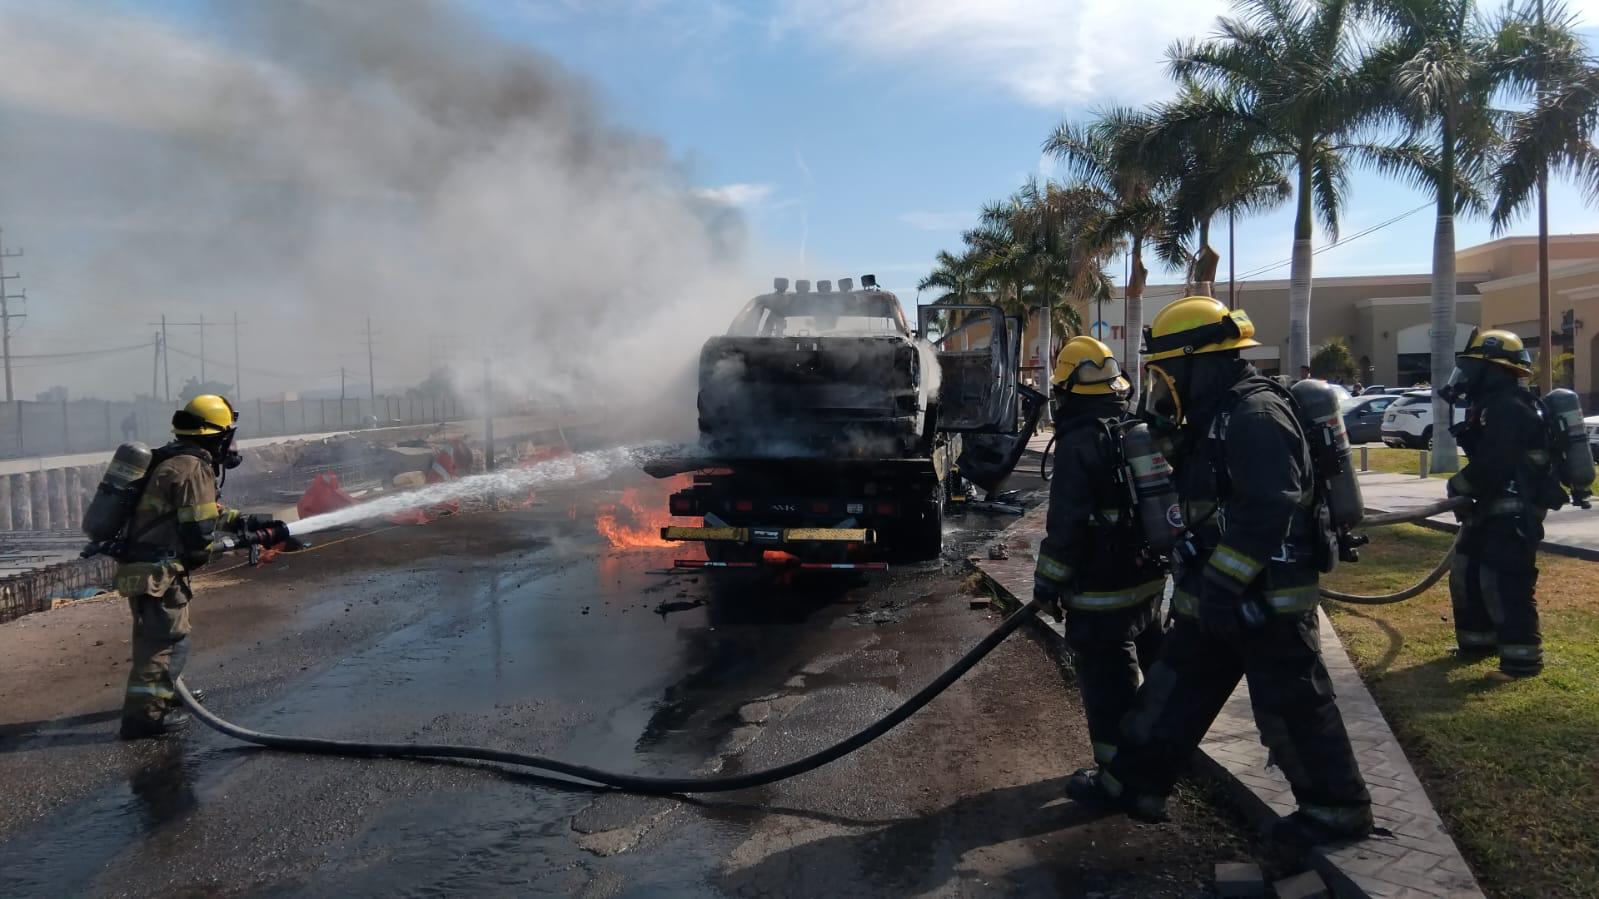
924	530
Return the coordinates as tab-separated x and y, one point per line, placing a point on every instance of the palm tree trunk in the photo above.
1299	274
1133	321
1443	302
1046	355
1205	262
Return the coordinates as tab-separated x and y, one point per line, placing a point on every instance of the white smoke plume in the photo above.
307	163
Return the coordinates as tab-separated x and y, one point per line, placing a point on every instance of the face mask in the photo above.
1455	389
1159	403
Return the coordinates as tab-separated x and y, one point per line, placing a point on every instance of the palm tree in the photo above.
1442	84
1048	221
1287	73
954	277
1545	65
1106	161
1216	168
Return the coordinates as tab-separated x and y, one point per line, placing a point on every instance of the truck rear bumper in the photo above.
769	537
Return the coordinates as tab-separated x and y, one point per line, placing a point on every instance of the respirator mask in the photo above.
1159	402
1459	385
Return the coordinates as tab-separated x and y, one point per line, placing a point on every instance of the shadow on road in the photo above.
921	854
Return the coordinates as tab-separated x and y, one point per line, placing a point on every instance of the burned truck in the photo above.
833	434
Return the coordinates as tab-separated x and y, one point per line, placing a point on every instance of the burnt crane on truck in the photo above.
833	432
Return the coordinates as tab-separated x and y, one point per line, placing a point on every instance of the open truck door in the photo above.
980	395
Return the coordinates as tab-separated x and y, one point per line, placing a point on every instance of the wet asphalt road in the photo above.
522	629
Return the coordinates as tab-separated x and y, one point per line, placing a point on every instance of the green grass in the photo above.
1513	768
1393	461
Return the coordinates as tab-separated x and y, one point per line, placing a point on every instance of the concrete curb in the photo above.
1415	857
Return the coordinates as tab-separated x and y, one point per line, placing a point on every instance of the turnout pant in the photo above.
1492	585
1292	697
160	626
1111	650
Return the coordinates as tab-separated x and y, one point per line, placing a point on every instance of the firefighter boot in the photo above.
1096	787
1300	832
144	728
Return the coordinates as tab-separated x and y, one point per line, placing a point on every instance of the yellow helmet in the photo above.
1500	347
1195	325
1087	366
206	415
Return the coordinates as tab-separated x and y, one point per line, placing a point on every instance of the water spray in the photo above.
579	468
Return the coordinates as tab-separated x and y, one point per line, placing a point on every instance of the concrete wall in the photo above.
1512	303
48	429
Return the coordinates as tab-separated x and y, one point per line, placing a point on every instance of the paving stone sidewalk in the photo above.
1572	531
1414	858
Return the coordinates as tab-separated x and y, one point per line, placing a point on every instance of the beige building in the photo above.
1386	319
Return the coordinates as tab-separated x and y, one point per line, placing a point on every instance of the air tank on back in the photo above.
113	501
1151	477
1329	443
1578	471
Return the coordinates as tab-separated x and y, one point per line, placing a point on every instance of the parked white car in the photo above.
1408	421
1591	423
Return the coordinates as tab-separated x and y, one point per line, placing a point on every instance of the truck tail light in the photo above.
885	508
743	505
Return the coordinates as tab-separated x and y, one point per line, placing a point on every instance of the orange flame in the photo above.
635	520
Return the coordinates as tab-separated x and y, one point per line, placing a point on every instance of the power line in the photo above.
1317	252
1335	245
84	354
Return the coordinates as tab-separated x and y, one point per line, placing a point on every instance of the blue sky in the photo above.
310	164
862	135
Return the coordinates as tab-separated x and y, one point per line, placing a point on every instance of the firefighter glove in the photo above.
1048	598
1219	613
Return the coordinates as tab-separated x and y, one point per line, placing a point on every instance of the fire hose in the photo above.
1432	577
654	785
634	783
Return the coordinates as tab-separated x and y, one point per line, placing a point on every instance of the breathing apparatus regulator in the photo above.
209	421
1497	354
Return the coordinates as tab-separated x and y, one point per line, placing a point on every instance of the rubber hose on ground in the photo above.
1433	576
1384	599
633	783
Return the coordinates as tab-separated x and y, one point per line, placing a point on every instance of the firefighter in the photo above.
169	536
1093	565
1246	580
1508	476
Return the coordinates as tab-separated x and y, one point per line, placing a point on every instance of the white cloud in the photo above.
922	220
741	195
1047	52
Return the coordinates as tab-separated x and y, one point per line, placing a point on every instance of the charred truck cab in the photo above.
834	433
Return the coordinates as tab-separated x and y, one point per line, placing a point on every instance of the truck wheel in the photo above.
925	533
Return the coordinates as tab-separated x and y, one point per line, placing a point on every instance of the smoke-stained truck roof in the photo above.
853	313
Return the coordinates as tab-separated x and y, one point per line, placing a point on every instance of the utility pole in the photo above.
488	418
166	363
371	379
1546	349
238	392
6	315
1232	260
155	366
341	393
202	324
